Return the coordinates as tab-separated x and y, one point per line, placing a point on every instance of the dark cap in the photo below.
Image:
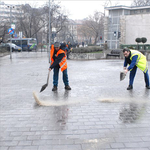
56	44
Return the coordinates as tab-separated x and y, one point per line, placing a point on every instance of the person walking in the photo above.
82	44
58	60
69	46
135	59
64	47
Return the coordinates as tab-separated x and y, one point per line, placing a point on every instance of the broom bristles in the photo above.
39	102
36	98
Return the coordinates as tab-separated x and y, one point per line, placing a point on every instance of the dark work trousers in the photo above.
56	74
68	53
132	75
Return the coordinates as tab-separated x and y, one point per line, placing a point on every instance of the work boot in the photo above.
129	87
148	87
67	87
54	88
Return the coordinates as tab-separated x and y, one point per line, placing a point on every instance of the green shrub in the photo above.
143	40
91	44
3	49
88	49
131	47
138	40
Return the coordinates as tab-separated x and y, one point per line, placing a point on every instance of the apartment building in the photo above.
9	12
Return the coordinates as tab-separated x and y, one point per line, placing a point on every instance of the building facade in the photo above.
124	24
9	12
8	18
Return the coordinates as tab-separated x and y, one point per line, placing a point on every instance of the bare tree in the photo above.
35	21
58	19
141	3
4	26
69	31
93	26
30	21
85	32
2	30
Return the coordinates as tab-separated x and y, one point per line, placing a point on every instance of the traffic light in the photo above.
100	37
114	33
119	35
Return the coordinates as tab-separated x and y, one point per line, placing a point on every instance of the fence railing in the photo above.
136	46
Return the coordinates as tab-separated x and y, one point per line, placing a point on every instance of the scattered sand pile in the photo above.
57	103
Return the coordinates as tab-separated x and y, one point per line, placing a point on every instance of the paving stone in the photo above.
117	145
3	148
9	143
68	147
24	148
146	139
25	143
49	147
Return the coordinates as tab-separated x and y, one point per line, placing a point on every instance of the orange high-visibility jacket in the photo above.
63	62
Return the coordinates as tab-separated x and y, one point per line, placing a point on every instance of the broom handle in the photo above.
48	77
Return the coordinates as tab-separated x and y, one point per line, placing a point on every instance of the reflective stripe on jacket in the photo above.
63	62
141	62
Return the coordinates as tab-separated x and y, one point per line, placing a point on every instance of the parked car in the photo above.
6	46
14	47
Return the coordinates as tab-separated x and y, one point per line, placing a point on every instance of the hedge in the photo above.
88	49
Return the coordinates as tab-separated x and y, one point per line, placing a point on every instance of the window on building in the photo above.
110	20
116	20
141	11
148	10
135	12
126	12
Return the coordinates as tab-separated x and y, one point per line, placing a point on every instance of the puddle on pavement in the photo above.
132	112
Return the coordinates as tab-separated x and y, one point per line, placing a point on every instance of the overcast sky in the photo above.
76	9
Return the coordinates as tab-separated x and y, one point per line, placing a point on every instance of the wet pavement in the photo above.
97	114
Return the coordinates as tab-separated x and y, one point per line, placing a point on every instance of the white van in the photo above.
15	47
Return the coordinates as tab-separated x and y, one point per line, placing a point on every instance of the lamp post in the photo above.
49	24
49	31
10	34
53	34
10	6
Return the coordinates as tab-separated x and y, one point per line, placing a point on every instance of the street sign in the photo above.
15	35
13	26
20	34
10	31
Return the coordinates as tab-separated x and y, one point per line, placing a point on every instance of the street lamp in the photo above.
49	24
10	6
49	29
53	34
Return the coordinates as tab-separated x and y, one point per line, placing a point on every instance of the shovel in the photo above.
45	85
122	75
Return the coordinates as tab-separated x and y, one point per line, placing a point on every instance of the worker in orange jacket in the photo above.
58	60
